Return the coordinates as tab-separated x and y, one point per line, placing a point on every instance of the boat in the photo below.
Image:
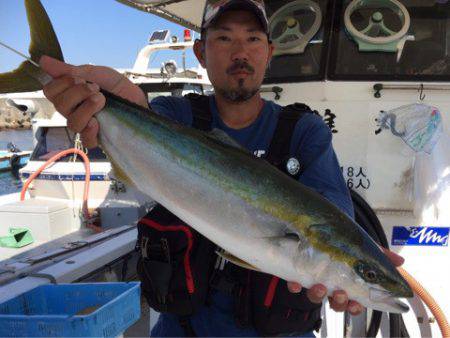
355	63
50	210
13	158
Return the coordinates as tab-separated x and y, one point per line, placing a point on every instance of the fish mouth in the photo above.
386	301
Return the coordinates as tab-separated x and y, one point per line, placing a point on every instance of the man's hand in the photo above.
75	93
339	300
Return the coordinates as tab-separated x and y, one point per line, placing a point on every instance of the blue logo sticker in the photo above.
436	236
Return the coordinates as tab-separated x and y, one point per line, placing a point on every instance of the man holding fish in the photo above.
236	51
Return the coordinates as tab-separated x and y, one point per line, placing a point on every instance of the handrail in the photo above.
378	87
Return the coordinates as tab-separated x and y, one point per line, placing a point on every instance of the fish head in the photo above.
384	285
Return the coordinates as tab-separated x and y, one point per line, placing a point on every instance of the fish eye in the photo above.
368	272
370	275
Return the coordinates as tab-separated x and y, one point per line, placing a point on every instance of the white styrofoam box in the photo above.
46	219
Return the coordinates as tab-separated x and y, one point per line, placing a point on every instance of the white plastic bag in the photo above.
420	127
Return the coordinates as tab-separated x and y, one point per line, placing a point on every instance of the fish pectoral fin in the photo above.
233	259
322	231
292	236
287	237
288	241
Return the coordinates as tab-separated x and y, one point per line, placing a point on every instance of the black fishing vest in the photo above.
178	267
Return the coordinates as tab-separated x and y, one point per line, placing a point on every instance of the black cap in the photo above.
215	8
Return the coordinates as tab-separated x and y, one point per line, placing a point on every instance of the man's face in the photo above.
235	53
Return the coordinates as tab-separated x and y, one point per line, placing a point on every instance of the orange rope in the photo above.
429	301
86	182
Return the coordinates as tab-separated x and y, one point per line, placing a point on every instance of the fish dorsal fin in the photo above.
221	136
26	77
233	259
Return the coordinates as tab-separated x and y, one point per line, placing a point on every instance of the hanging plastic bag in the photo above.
420	127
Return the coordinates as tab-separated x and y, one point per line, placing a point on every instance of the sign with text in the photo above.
434	236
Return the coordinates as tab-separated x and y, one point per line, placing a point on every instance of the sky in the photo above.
100	32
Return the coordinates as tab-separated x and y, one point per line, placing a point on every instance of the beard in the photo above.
240	94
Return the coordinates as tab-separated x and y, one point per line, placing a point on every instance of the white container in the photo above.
46	219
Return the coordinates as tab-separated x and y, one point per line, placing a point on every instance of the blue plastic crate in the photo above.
59	310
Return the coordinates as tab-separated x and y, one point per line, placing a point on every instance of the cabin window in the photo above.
299	32
425	55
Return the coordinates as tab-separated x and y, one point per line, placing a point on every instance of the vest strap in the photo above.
201	112
279	150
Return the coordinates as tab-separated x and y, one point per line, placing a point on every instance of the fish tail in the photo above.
27	77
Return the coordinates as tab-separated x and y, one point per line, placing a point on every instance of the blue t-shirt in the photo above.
311	145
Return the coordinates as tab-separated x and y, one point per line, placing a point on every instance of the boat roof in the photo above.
187	13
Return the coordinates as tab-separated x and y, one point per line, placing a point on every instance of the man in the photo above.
236	51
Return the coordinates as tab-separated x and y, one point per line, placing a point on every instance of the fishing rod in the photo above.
21	54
